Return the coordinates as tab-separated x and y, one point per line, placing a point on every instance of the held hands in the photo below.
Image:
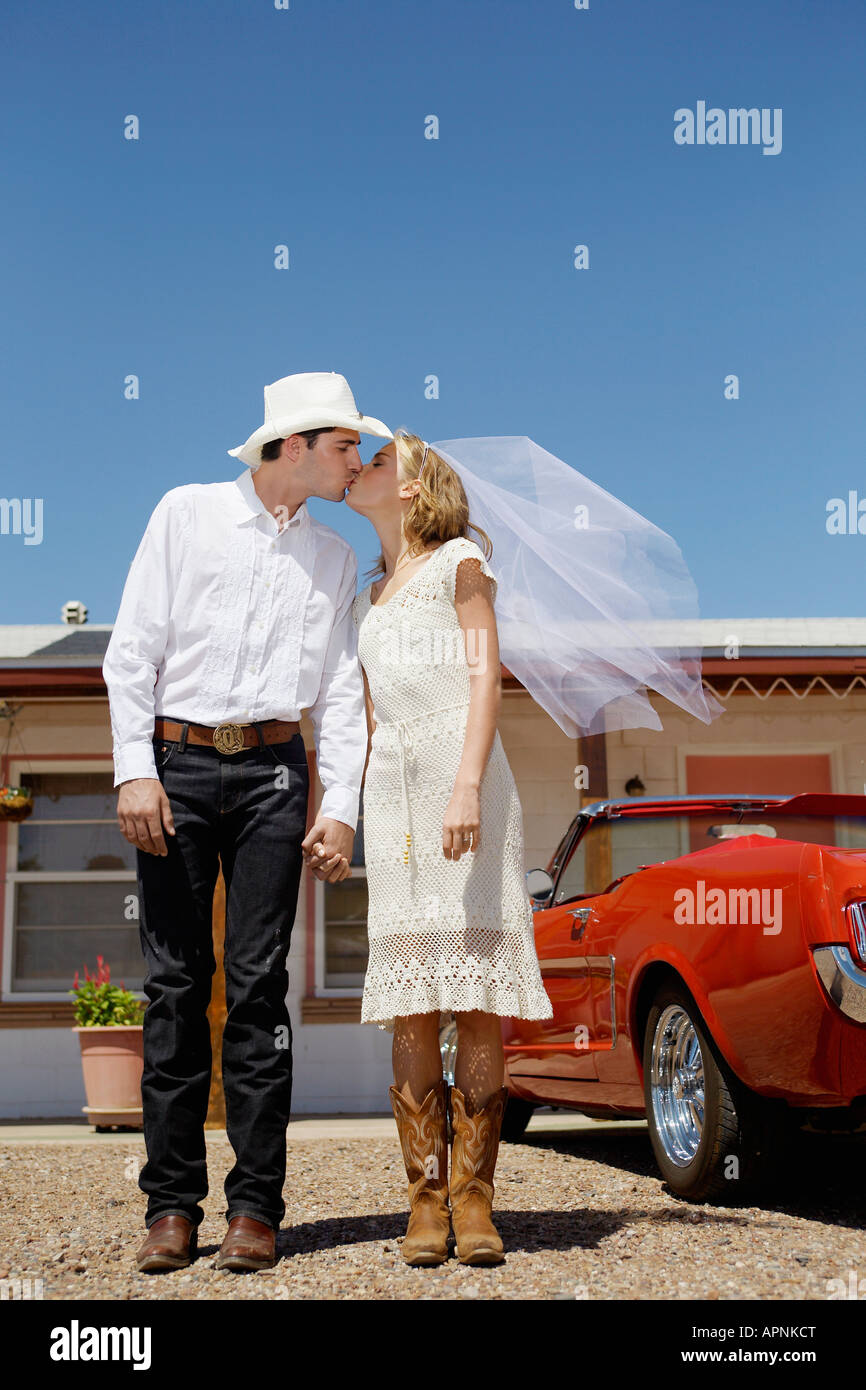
143	811
328	849
461	828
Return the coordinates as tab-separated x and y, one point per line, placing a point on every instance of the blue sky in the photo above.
411	257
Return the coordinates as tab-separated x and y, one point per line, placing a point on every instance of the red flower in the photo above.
75	981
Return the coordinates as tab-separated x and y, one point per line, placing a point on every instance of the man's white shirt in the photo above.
225	618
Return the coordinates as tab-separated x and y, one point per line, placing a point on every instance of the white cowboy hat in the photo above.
307	401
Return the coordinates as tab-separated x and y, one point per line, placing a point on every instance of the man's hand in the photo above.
328	849
142	811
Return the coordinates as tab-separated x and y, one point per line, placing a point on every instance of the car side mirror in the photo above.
539	886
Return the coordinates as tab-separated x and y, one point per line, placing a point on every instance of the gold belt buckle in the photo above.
228	738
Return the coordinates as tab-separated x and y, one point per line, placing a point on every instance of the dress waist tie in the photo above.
405	745
406	742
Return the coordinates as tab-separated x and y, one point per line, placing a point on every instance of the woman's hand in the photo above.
461	828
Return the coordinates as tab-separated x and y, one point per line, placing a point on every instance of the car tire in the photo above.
515	1118
713	1139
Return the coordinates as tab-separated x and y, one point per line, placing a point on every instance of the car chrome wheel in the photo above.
448	1049
677	1085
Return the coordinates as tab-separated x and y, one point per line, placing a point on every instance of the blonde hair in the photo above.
439	511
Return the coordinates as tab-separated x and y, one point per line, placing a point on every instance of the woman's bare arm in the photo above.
473	601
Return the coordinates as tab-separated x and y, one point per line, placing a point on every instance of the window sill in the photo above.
331	1010
33	1014
48	1014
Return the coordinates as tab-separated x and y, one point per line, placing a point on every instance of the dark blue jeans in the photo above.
247	810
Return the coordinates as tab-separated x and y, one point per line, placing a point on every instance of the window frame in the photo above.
323	991
319	989
18	768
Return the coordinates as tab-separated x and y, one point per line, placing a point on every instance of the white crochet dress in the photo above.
444	935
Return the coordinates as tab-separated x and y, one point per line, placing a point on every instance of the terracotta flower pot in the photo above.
112	1063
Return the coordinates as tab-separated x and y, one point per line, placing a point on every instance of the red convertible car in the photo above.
706	961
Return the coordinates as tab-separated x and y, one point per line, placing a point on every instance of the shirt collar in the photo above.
251	505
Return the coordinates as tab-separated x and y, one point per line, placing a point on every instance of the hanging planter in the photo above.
16	803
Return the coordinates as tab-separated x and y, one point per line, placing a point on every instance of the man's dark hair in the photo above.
271	450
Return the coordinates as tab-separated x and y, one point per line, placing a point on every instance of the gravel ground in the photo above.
582	1214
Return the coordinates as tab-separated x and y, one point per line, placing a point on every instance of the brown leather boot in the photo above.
425	1154
475	1144
170	1243
249	1244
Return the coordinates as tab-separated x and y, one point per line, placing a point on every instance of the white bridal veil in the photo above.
594	603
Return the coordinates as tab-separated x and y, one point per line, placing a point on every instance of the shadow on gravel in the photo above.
336	1231
584	1227
529	1231
627	1149
820	1180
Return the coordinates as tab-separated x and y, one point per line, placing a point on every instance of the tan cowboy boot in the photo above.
475	1144
425	1153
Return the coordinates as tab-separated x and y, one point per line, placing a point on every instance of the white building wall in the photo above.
40	1073
821	723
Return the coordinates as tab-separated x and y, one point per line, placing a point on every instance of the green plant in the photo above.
100	1004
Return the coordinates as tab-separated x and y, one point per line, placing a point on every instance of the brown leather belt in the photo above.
228	738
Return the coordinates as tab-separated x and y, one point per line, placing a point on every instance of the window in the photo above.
71	890
573	880
344	956
609	848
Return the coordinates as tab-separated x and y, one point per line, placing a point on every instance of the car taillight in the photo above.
856	913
